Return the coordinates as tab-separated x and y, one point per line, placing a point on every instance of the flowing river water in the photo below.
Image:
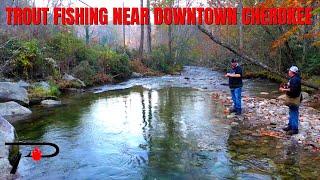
155	128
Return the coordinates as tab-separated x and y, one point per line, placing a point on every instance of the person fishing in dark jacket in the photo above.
293	90
235	84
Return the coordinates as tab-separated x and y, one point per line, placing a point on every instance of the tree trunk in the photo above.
149	49
287	50
247	58
240	26
170	41
124	37
87	35
170	35
141	36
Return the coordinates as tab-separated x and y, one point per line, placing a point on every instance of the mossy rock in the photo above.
40	92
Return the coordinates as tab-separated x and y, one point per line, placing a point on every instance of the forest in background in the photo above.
104	54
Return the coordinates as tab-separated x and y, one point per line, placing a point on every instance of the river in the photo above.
151	128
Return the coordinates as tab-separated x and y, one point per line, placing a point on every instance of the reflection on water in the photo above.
134	133
160	129
266	157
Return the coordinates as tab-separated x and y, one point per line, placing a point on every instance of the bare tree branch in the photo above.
4	44
247	58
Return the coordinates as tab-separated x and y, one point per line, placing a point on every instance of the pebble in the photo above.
233	124
273	113
230	116
264	93
278	147
305	125
241	118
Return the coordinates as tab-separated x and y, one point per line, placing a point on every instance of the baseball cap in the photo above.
294	69
234	60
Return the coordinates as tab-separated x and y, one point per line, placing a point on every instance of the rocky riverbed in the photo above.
267	117
17	97
15	101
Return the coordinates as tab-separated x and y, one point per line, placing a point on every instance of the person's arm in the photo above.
284	89
237	74
291	88
234	75
228	74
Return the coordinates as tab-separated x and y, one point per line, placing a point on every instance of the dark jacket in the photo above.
235	82
294	86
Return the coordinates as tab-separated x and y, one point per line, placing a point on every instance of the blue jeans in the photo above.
236	98
293	117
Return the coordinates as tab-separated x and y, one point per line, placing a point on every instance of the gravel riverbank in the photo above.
267	117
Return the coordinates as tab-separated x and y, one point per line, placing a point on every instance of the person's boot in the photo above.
292	132
286	128
233	110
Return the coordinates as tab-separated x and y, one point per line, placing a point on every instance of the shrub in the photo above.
160	60
27	59
114	64
313	64
84	72
137	66
54	89
175	68
66	48
102	78
120	66
65	84
84	53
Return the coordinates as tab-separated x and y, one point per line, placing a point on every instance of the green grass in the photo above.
39	91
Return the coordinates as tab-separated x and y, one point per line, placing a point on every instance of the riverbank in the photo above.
267	117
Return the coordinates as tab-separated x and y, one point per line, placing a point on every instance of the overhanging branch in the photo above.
247	58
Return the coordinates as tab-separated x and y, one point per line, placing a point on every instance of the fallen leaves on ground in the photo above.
271	133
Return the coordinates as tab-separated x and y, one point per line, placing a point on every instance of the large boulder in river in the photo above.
13	92
73	82
136	75
6	135
23	84
13	111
